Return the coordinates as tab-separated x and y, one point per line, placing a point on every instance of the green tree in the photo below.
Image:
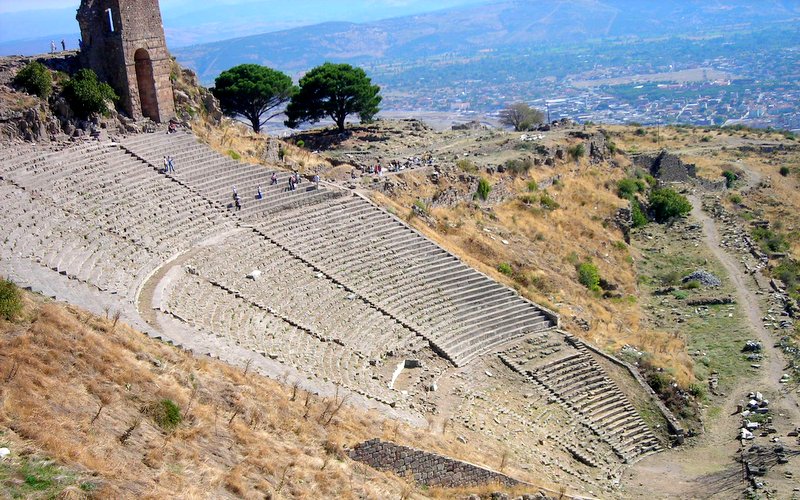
667	203
521	116
254	92
35	79
335	91
86	94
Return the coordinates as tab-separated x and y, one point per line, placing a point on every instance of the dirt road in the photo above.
707	468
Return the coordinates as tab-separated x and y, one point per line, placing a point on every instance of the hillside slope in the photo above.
82	413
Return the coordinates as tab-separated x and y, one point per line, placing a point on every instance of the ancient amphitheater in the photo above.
344	295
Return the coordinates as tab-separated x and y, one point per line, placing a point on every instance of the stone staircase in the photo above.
214	176
94	214
461	311
572	375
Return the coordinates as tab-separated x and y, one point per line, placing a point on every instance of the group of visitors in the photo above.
294	180
54	48
237	202
169	166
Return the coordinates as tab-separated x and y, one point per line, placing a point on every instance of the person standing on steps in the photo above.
52	46
273	179
237	202
170	164
166	165
259	194
63	45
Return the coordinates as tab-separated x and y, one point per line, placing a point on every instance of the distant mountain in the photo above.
470	30
188	22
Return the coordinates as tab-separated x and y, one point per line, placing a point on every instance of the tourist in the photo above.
63	45
166	164
316	179
52	46
291	183
172	128
259	195
273	179
237	202
170	164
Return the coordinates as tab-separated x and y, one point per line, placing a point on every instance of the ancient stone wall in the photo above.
668	169
123	42
426	468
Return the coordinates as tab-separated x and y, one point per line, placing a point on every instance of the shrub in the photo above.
730	178
589	276
770	241
640	132
637	214
692	285
35	79
547	202
518	167
421	207
467	166
166	414
667	203
87	95
577	152
788	271
10	300
784	171
505	268
484	188
736	198
680	294
234	155
533	186
301	144
629	187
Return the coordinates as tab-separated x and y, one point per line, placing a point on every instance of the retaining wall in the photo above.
426	468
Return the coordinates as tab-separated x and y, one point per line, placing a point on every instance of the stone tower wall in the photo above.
111	48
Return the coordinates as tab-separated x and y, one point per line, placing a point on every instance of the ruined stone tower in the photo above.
123	42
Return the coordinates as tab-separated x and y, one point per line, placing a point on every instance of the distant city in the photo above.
751	79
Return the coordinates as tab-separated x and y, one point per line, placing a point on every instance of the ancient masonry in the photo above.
669	169
123	42
427	468
278	279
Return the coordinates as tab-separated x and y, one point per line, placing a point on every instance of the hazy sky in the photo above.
18	5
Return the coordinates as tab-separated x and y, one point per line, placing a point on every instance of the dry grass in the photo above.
77	389
234	137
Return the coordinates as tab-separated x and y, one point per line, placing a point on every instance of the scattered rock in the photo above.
704	277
